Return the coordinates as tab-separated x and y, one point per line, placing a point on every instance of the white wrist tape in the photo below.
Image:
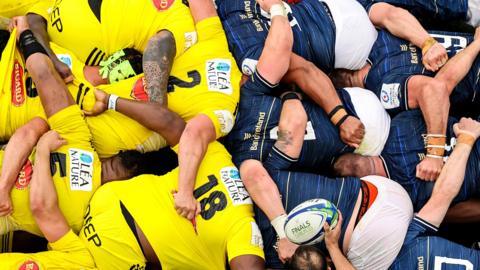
112	102
278	224
278	10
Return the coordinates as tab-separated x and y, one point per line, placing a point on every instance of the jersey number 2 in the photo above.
217	201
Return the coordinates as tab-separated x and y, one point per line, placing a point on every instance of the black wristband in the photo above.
340	122
290	95
336	109
29	44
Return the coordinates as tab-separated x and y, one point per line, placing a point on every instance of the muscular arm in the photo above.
43	196
399	22
319	87
198	133
403	24
38	25
157	64
154	117
17	151
275	58
451	178
459	65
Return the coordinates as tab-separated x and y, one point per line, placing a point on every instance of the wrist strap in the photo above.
338	115
112	102
427	44
435	144
466	139
278	224
29	44
434	156
278	10
290	95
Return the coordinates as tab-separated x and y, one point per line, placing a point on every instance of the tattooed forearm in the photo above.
157	64
285	139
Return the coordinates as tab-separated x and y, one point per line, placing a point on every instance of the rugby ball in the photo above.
304	224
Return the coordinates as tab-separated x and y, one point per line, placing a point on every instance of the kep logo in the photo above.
18	96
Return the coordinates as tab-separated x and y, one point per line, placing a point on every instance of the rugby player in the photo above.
398	77
120	233
205	93
166	31
79	152
403	151
265	120
422	247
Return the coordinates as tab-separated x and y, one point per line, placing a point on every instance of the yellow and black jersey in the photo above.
226	228
204	80
11	8
19	101
76	173
111	25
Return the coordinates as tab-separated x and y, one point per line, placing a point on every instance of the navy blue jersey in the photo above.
441	9
246	27
423	250
394	60
405	149
297	187
256	126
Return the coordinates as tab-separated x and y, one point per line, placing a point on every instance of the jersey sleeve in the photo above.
68	252
71	125
419	227
41	8
393	93
245	239
277	160
211	29
257	85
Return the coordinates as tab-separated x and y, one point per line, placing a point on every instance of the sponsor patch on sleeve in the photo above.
249	66
190	39
257	239
390	95
81	169
225	118
218	75
234	186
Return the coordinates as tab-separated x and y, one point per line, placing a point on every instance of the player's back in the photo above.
19	101
393	55
206	76
297	187
111	25
75	170
226	209
422	249
405	149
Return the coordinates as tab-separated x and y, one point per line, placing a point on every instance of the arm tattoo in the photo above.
157	64
284	140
